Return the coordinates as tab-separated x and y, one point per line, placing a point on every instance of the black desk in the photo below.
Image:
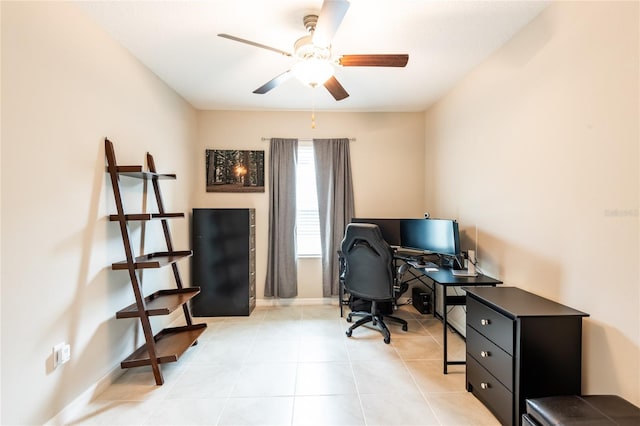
445	278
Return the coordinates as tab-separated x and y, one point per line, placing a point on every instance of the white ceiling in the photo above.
177	40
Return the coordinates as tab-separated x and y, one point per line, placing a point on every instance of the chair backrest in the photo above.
368	262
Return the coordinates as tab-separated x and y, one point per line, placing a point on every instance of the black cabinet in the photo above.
223	262
520	346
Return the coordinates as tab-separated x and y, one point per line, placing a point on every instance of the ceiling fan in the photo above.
315	64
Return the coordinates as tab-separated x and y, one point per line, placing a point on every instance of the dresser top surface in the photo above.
518	303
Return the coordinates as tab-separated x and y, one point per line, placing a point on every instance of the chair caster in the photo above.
404	327
349	319
348	333
387	340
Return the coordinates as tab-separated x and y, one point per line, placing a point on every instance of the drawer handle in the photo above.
484	385
485	321
485	354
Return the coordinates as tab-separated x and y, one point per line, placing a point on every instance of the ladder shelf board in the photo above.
138	173
146	216
170	344
153	260
162	302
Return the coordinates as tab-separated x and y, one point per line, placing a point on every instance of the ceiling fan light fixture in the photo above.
313	71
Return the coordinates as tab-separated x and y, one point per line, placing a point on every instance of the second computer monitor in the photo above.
439	236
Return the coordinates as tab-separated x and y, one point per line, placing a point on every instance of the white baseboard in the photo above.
296	301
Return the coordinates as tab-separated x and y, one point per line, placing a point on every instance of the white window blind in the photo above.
307	221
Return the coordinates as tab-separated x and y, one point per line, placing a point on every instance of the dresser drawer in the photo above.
491	324
490	391
491	357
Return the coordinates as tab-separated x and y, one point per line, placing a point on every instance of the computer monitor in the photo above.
439	236
390	228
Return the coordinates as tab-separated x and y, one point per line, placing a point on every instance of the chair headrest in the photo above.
362	232
368	259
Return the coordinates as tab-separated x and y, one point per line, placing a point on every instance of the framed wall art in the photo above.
235	170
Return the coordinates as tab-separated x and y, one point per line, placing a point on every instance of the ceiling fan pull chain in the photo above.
313	107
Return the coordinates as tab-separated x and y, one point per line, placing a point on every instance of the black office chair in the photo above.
369	275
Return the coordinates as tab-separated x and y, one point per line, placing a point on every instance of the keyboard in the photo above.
463	273
426	265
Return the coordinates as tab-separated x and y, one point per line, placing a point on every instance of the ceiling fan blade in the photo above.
329	20
273	83
253	43
336	89
373	60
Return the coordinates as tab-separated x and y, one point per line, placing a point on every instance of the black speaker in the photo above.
421	300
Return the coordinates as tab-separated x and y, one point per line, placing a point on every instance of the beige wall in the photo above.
386	160
538	148
65	86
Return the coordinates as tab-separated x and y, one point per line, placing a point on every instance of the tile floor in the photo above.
295	366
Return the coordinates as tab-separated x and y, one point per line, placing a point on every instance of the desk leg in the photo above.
444	328
446	302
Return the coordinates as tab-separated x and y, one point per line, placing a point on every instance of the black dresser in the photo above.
223	262
520	346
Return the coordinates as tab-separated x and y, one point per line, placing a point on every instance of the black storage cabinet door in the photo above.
222	262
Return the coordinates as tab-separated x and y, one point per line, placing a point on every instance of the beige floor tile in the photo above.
114	413
295	366
428	375
383	377
327	410
321	328
320	312
414	329
138	384
282	329
456	348
406	312
325	378
259	411
266	379
397	409
421	347
459	409
273	350
213	352
323	350
432	325
234	330
204	381
280	313
187	412
370	349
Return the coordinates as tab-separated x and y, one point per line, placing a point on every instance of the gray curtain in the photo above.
335	204
282	275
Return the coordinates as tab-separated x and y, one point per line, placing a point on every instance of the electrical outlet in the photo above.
61	354
65	355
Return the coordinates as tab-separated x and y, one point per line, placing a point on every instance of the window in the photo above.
307	220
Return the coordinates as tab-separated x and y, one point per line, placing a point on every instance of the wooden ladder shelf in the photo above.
170	343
